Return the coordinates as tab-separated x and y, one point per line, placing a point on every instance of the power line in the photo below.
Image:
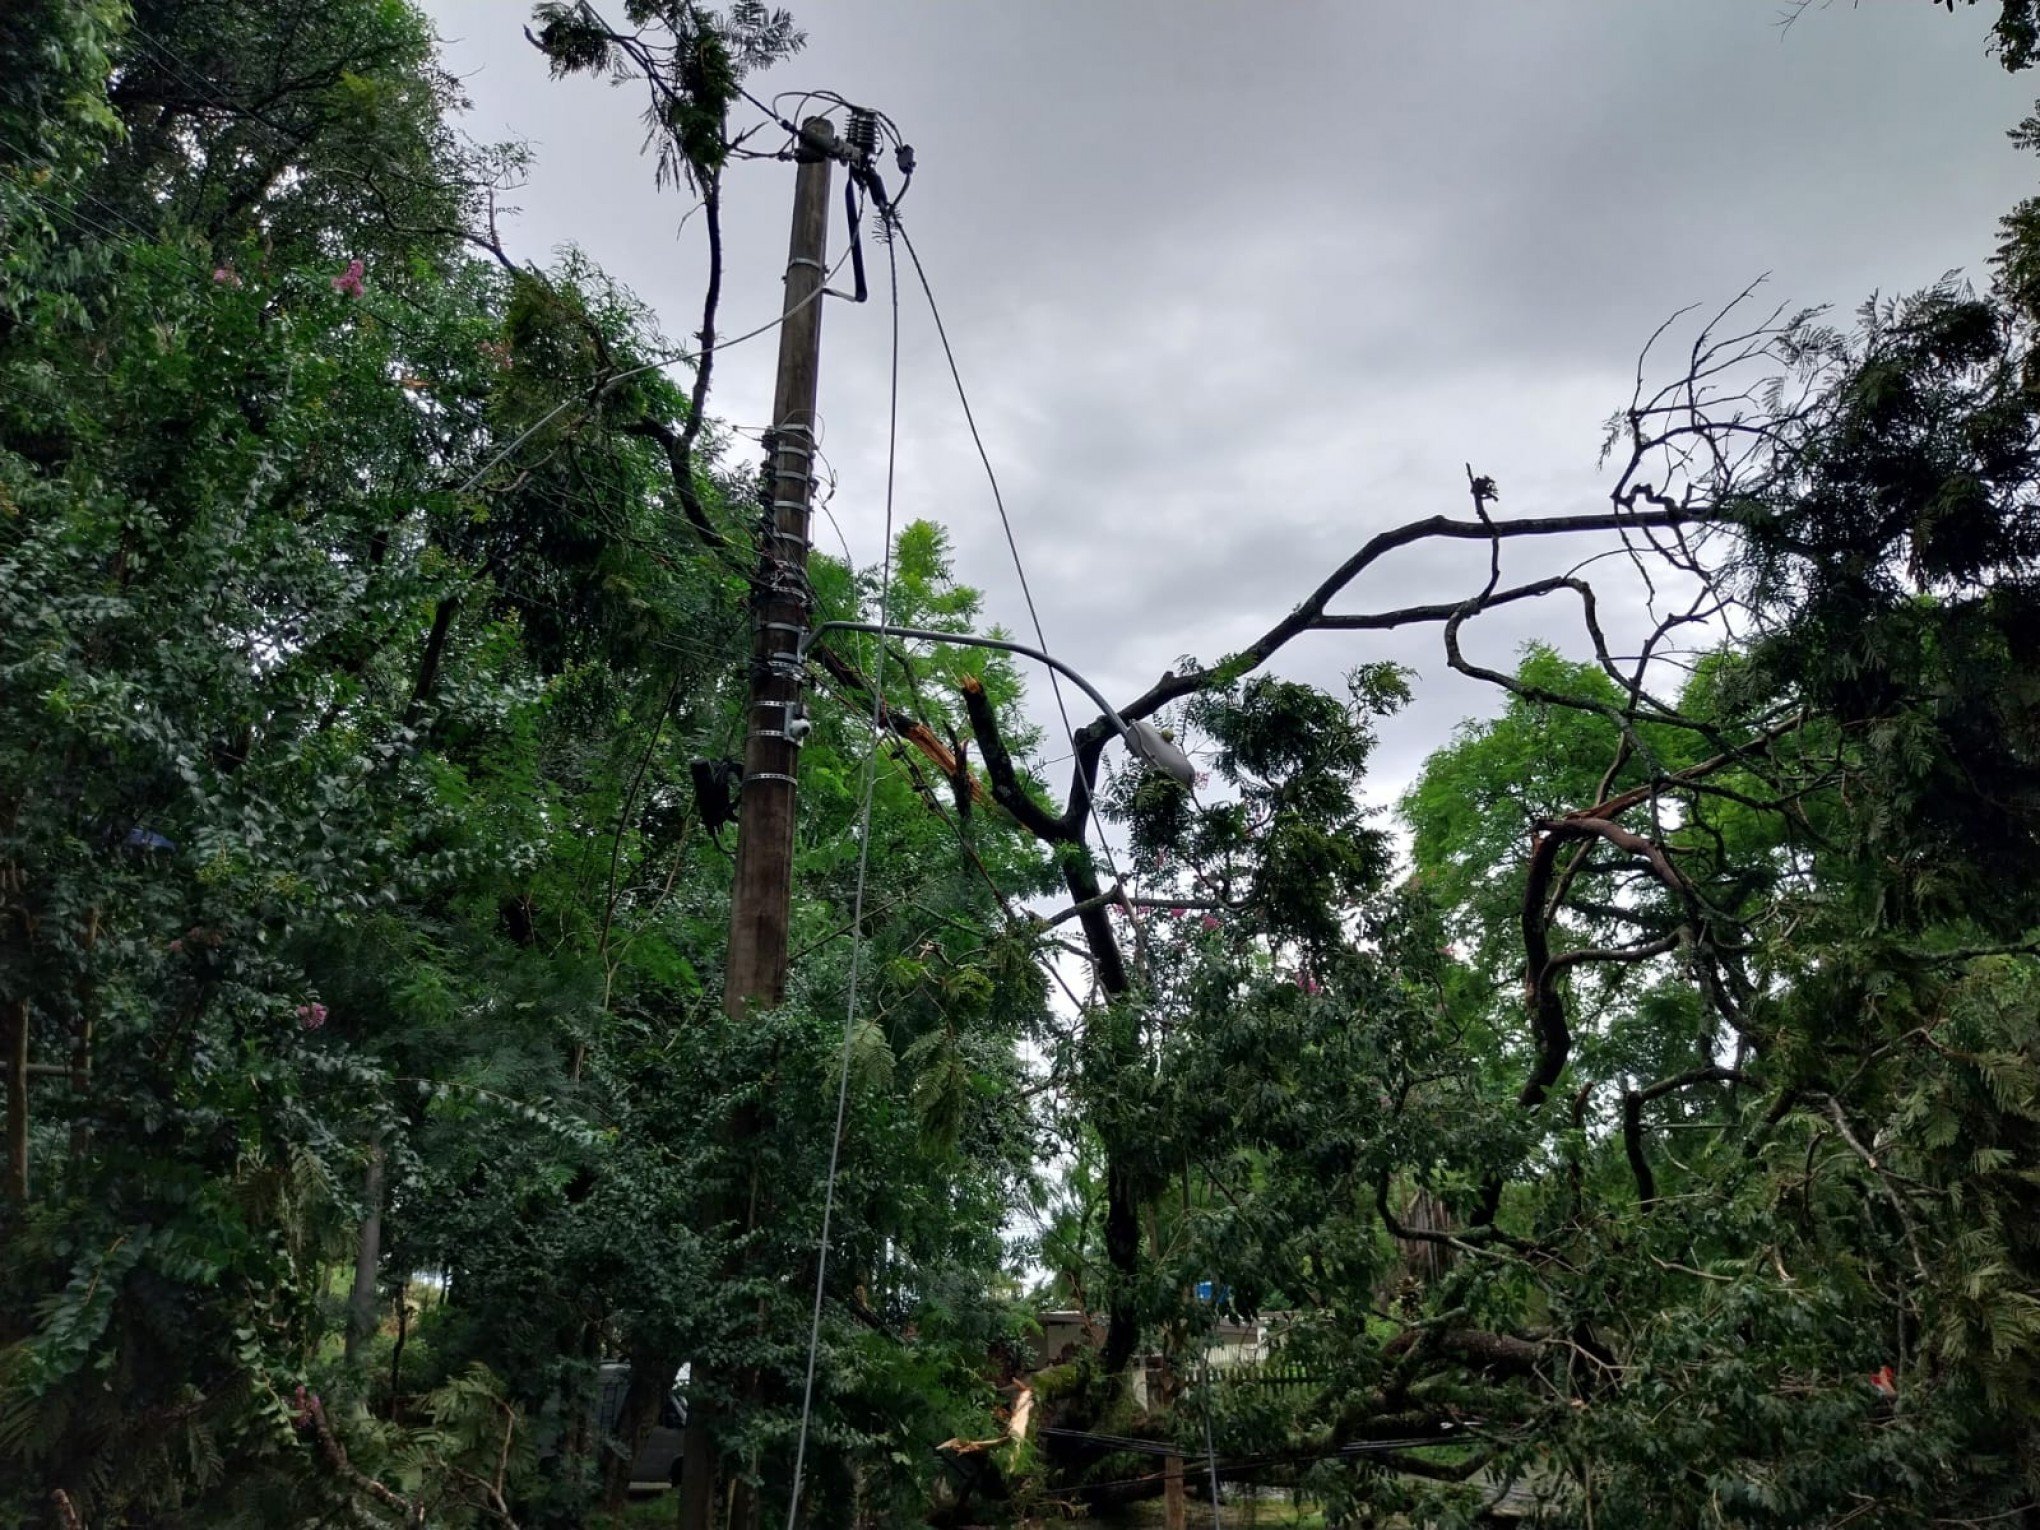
831	480
63	209
184	72
343	152
1012	543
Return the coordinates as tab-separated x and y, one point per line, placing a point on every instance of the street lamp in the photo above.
1142	738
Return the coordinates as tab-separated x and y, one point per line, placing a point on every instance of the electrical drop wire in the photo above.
1012	544
807	1396
193	78
188	75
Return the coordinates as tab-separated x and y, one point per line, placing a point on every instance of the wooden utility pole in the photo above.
754	974
761	899
1172	1491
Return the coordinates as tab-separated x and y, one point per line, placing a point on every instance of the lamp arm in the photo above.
971	640
1142	739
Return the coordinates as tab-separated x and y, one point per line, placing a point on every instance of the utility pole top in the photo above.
816	140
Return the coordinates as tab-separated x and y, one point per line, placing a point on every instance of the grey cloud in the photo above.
1235	286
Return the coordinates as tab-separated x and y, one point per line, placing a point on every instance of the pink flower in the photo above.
311	1016
177	944
1209	921
1307	983
349	281
1178	913
226	276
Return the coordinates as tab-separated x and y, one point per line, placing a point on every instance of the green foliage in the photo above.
694	58
2015	34
347	820
1674	1118
54	89
1669	1130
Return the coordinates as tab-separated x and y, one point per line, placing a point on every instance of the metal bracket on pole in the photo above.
793	724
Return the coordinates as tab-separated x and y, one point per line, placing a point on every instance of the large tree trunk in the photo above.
744	1505
362	1311
697	1473
1122	1187
1122	1247
651	1377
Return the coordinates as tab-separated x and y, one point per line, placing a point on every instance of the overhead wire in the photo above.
181	69
903	151
193	78
833	479
1012	542
186	74
63	209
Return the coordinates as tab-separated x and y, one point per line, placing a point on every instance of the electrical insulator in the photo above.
863	134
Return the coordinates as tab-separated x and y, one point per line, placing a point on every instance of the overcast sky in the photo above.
1234	286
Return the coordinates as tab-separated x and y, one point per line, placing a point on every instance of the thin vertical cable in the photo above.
807	1396
1204	1385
